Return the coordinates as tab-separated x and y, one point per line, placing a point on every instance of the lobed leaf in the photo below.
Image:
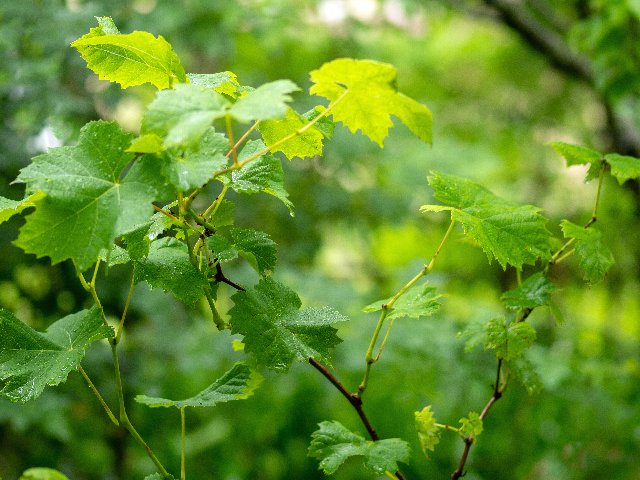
92	195
623	167
416	303
307	144
512	234
508	340
265	102
276	331
577	155
255	246
534	292
595	257
9	208
428	431
30	360
222	82
471	426
333	444
238	383
368	97
169	267
132	59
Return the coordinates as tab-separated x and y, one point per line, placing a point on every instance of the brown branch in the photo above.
220	277
354	400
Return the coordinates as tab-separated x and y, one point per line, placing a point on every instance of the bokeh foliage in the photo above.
357	235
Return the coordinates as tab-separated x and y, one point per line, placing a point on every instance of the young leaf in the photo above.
307	144
40	473
623	167
595	257
30	360
471	426
168	266
222	82
265	102
511	233
9	208
182	115
534	292
88	201
369	97
276	331
577	155
333	443
261	175
238	383
509	341
131	59
526	374
428	432
416	303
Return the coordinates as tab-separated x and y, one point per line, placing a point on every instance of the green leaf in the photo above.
511	233
276	331
416	303
132	59
471	426
595	257
168	267
265	102
526	374
333	443
256	247
428	431
623	167
223	215
91	196
369	97
307	144
148	143
9	208
577	155
223	250
263	174
29	360
183	115
195	166
222	82
238	383
157	476
534	292
139	239
40	473
509	341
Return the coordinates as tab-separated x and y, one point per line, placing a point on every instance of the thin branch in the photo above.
220	277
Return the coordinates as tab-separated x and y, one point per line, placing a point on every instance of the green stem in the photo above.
217	319
182	443
234	154
234	148
95	391
369	358
126	308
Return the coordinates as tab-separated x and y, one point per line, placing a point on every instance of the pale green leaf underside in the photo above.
575	154
132	59
512	234
276	331
333	444
623	167
30	360
595	257
265	102
9	208
238	383
417	302
368	98
88	203
221	82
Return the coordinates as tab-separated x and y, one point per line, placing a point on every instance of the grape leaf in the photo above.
222	248
221	82
595	257
428	431
147	143
41	473
534	292
132	59
238	383
276	331
368	97
183	115
623	167
265	102
90	199
307	144
471	426
526	374
333	443
511	233
509	341
263	174
139	239
9	208
31	360
577	155
416	303
168	266
255	246
223	215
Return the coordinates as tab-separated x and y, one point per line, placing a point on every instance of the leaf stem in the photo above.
234	148
369	358
126	307
234	154
100	398
182	443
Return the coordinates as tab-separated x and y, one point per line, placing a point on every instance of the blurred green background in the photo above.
502	79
